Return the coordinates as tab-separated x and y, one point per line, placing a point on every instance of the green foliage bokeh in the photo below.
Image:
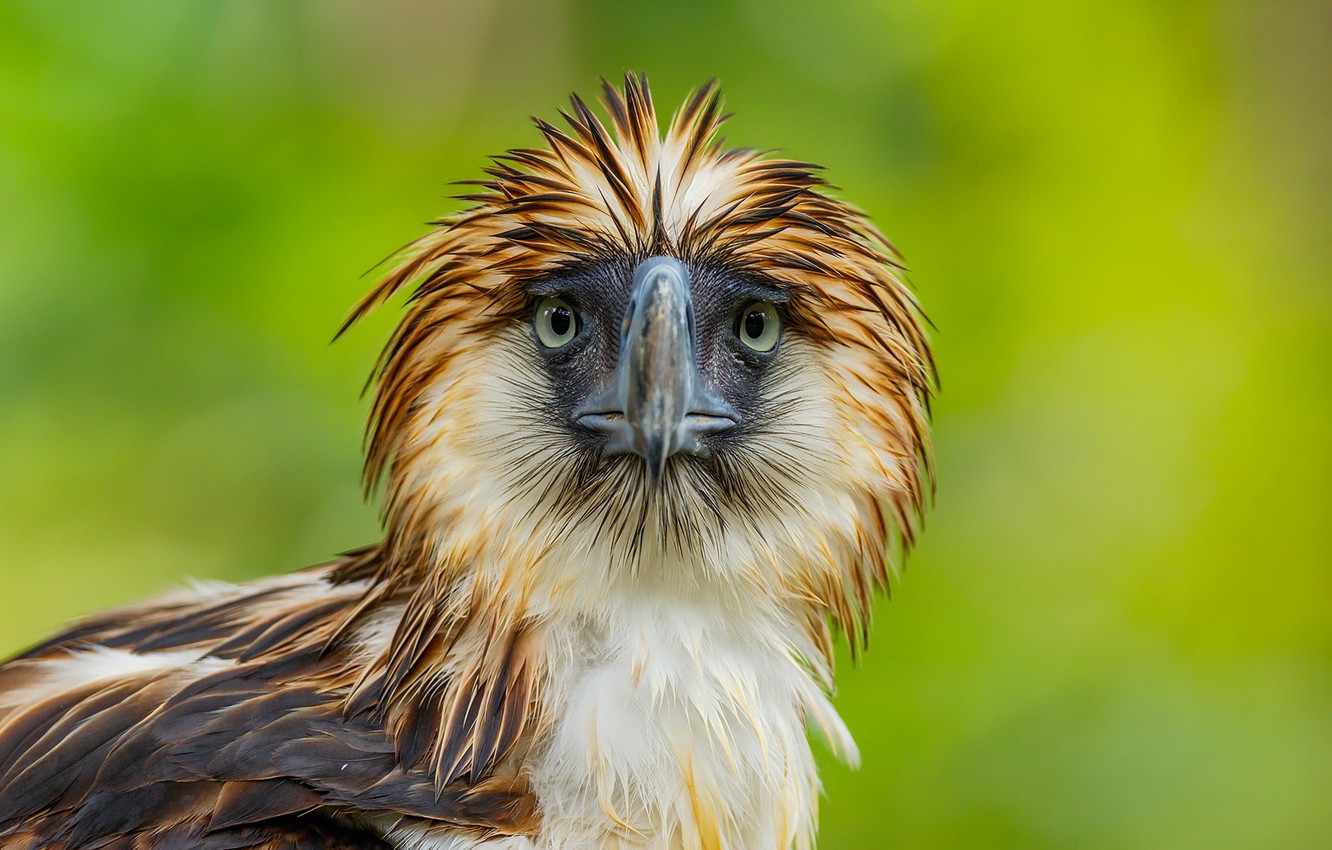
1118	629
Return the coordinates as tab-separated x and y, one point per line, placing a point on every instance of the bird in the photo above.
652	433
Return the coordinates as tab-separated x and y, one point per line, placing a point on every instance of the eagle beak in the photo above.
657	406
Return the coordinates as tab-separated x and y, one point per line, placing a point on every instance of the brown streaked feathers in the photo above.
399	687
270	734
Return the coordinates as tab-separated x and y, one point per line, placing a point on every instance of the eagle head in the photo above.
641	359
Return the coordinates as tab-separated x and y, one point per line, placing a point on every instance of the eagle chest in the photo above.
670	731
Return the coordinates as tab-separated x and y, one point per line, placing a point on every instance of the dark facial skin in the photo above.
727	370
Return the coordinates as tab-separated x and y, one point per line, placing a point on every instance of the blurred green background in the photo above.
1117	632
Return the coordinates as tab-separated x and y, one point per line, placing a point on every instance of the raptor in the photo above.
650	432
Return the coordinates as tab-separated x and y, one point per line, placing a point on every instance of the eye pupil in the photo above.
561	320
754	324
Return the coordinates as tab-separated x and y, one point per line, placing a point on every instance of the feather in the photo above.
249	731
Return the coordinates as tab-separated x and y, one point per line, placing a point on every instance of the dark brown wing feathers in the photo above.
213	759
278	834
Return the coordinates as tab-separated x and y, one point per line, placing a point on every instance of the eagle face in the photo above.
668	405
661	377
654	415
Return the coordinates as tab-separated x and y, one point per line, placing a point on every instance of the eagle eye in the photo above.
556	322
759	326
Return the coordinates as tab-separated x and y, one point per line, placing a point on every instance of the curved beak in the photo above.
657	406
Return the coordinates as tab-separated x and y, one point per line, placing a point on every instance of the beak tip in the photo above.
655	454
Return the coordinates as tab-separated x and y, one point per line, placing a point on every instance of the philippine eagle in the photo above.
653	420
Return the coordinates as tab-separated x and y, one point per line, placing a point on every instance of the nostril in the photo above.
608	421
703	424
